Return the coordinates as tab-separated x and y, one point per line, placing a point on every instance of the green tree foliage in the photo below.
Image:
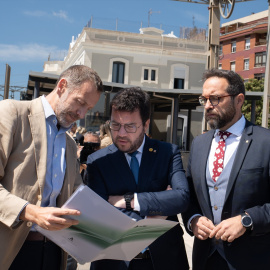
254	85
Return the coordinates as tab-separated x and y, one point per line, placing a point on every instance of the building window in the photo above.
233	66
260	59
220	66
179	77
246	64
150	75
118	73
145	74
259	76
220	49
233	46
247	44
178	83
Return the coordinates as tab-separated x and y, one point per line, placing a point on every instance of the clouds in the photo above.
61	14
31	52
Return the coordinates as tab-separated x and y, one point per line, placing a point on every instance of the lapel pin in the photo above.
155	151
150	149
246	141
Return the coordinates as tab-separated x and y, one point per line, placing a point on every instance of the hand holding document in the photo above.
103	231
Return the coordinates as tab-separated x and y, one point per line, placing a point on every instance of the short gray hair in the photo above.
78	74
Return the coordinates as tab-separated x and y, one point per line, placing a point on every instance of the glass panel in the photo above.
114	74
121	73
264	59
180	124
246	64
233	66
247	45
153	75
145	75
178	83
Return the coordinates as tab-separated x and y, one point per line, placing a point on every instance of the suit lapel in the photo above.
244	144
123	171
149	156
203	157
38	130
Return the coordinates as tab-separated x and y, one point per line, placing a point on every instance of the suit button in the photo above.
215	188
215	207
29	224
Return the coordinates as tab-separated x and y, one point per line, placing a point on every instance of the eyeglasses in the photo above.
214	100
129	128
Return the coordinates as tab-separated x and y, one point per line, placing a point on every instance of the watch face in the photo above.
246	221
129	197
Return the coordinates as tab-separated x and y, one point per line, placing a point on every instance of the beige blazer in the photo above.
23	154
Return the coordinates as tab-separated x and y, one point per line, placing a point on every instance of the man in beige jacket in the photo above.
39	169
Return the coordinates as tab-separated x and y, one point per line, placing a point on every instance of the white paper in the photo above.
103	231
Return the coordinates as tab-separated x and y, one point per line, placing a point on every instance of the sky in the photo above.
31	30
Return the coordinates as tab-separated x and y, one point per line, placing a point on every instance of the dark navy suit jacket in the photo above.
248	190
161	165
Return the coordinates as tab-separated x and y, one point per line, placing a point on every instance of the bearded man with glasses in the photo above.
142	177
228	174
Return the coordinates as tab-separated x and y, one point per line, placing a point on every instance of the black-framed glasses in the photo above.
214	100
129	128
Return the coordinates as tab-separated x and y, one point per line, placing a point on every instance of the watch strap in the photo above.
128	198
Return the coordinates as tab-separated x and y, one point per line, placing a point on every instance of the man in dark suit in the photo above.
160	189
229	209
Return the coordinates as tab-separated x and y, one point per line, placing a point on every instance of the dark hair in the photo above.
236	83
78	74
130	100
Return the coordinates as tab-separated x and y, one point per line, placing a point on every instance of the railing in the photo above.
133	27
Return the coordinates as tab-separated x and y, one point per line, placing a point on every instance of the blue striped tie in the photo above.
134	165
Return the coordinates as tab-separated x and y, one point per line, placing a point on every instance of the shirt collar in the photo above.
237	128
47	107
49	113
140	149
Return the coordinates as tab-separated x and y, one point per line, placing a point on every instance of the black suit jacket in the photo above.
161	165
248	190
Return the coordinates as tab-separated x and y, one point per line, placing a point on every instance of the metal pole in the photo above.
175	119
213	33
7	81
266	92
36	90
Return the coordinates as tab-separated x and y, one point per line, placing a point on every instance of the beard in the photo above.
218	120
62	118
62	111
133	146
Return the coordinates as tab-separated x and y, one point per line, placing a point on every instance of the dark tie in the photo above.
219	155
134	165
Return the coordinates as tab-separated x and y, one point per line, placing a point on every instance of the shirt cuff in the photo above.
18	220
136	203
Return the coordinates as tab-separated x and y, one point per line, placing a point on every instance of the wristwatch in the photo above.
246	221
128	198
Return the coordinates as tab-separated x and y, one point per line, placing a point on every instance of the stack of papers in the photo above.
103	231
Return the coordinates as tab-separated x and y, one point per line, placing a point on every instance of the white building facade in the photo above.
169	68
